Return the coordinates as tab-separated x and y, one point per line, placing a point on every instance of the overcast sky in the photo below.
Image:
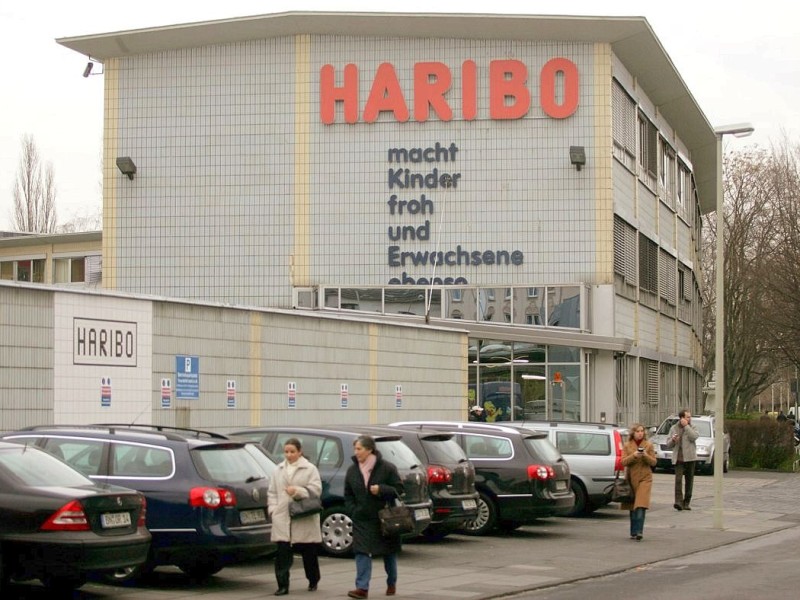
741	64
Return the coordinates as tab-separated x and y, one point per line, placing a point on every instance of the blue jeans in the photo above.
637	521
364	569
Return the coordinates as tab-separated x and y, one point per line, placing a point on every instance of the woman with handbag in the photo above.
294	480
370	484
639	456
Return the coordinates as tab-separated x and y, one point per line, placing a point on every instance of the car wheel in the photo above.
201	570
484	522
337	531
582	506
59	585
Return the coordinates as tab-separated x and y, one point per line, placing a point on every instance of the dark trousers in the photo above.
285	557
684	472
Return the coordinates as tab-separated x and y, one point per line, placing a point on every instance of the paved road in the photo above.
549	553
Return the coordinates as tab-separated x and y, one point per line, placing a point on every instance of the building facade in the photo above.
534	181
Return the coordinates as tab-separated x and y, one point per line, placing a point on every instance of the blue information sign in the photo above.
187	377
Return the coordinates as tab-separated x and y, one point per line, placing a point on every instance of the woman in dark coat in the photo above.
639	456
370	483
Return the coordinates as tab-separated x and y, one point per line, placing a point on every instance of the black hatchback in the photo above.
520	476
451	476
206	493
331	449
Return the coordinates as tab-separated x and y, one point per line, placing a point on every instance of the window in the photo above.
623	120
583	443
130	460
456	295
666	282
30	270
648	150
533	292
70	270
667	174
648	272
625	272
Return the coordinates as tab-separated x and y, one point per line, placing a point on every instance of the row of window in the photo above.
79	269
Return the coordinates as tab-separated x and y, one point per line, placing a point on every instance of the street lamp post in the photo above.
739	130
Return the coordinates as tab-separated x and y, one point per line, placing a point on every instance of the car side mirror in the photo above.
652	430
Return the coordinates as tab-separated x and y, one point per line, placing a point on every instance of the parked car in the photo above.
520	476
451	476
331	449
594	454
206	494
705	443
58	526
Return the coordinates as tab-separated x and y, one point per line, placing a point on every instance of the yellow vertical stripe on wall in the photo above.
302	118
256	376
110	181
373	373
602	167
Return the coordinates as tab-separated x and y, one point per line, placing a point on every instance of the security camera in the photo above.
88	70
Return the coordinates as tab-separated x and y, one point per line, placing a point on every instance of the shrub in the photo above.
761	443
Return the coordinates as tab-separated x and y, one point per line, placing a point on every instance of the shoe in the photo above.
312	587
639	537
677	506
282	591
358	593
633	536
686	507
391	590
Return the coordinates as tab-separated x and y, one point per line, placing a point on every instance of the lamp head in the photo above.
577	156
126	165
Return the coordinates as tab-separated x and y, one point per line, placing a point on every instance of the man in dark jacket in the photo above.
370	483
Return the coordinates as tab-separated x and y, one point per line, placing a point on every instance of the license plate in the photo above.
561	485
469	504
111	520
249	517
422	514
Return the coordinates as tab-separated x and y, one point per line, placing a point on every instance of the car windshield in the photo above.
703	427
34	467
231	464
397	453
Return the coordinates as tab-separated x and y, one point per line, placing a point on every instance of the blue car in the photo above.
206	494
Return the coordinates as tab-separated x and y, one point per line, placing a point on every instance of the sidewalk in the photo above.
553	551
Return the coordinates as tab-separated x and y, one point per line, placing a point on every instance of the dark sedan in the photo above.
58	526
331	449
451	476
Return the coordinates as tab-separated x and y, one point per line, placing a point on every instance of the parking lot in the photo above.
549	552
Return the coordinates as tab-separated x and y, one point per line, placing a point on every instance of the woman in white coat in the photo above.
294	479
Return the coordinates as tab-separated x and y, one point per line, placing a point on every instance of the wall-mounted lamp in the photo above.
577	156
87	70
125	164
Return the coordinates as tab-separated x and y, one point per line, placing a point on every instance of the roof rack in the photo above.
196	433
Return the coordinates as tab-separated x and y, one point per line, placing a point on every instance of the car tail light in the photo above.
541	472
208	497
142	514
439	474
618	447
69	517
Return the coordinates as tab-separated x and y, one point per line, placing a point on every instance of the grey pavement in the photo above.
550	552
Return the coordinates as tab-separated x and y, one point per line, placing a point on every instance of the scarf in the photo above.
366	468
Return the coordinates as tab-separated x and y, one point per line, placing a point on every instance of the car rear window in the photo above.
443	451
229	464
35	468
397	453
541	449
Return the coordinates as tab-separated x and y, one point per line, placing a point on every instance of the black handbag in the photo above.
621	490
396	520
305	507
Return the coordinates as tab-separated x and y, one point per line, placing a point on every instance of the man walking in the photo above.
682	438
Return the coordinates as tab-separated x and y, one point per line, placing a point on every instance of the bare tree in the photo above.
751	352
34	199
783	271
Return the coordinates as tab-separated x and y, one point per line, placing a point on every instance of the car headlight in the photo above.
703	449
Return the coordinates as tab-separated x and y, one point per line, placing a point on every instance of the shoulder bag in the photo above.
621	490
396	519
305	507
